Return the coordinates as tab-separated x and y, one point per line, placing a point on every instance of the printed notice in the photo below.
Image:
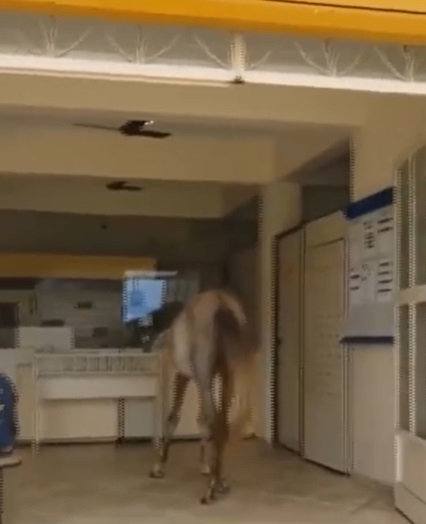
368	282
385	234
371	274
385	280
369	237
355	288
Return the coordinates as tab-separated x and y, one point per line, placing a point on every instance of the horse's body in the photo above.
210	338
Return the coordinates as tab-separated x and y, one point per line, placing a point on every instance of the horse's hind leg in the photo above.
180	385
225	405
204	447
217	421
206	440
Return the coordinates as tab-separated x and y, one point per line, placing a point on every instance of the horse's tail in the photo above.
240	352
242	375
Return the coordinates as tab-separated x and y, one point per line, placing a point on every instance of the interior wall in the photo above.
174	241
379	147
319	201
93	311
281	210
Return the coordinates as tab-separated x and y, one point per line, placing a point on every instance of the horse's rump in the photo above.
211	336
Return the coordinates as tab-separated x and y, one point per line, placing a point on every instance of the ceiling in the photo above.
206	169
227	141
89	195
210	150
188	127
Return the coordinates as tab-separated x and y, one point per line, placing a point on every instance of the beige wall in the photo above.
378	148
174	241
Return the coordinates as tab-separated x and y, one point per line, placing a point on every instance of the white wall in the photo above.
378	147
281	210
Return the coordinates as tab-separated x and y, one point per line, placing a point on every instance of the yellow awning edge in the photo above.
374	20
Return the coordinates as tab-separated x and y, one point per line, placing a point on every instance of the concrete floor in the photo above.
103	484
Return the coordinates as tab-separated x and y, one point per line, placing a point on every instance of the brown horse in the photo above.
209	338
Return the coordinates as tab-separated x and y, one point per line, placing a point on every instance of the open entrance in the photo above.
66	242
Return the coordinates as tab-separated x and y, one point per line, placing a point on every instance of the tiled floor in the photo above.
104	484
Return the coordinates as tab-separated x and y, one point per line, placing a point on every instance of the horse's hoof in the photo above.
223	488
209	496
156	473
206	499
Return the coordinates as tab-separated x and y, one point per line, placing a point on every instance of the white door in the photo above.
289	338
410	486
324	358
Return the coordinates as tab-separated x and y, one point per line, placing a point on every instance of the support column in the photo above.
390	135
281	209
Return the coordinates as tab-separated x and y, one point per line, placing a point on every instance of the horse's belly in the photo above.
181	349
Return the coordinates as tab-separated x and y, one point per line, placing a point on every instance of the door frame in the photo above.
275	335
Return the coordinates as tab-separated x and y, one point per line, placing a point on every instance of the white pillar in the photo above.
280	210
392	131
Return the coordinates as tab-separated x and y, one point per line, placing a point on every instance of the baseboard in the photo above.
110	440
67	442
148	440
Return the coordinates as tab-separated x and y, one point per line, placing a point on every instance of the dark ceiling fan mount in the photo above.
135	128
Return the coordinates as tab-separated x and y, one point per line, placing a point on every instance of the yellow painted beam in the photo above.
407	6
403	23
40	265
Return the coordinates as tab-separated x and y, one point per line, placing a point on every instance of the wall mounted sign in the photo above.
371	274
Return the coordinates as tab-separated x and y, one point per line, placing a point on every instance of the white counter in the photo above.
85	407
